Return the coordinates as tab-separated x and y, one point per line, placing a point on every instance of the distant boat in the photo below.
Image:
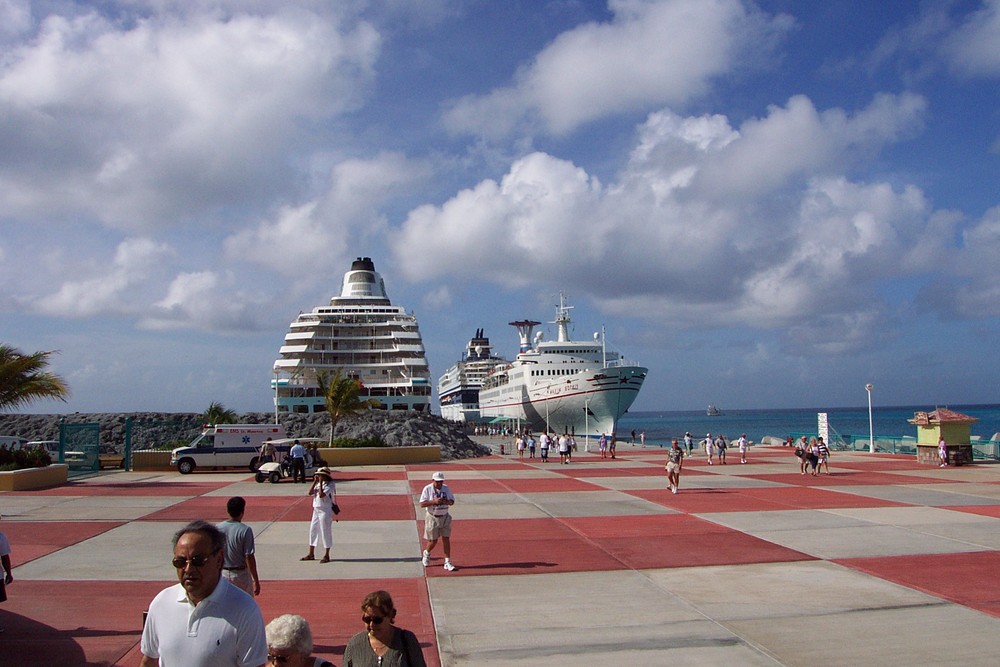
713	411
458	388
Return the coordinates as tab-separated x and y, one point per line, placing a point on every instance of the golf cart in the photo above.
275	471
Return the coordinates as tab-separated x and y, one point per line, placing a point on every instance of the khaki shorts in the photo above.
673	467
437	526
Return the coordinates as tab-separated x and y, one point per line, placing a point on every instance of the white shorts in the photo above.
673	467
437	526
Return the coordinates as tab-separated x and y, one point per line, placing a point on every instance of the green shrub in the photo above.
35	457
354	443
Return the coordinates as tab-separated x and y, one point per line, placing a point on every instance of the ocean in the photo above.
888	422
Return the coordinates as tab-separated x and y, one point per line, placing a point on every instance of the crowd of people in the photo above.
210	617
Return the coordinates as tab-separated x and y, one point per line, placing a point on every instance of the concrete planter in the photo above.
33	478
336	457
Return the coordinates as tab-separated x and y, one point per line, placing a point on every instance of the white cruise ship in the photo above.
364	336
458	387
564	386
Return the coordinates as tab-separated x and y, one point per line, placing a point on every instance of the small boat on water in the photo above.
713	411
563	385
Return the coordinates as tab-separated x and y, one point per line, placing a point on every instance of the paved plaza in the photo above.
882	562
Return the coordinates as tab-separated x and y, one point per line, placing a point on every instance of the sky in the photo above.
768	204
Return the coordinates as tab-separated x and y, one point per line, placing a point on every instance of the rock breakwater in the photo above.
161	429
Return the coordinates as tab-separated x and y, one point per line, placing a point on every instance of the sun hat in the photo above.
438	477
324	471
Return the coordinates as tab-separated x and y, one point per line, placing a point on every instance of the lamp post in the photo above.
275	395
871	430
586	422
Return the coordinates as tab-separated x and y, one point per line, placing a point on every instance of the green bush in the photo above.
35	457
354	443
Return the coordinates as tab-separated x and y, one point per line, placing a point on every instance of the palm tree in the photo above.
341	394
217	413
23	378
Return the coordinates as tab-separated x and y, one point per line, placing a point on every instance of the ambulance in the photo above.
226	446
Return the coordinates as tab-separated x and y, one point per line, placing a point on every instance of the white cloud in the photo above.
115	291
159	116
206	300
973	46
650	54
308	238
706	225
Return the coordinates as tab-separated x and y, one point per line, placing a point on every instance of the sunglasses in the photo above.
278	659
180	562
375	620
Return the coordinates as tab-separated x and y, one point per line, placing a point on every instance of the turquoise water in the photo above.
888	422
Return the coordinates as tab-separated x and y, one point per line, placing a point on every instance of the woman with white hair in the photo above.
290	643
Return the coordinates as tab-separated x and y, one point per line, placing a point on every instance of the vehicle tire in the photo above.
254	464
275	477
185	466
260	477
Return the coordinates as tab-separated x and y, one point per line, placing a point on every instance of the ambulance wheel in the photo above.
185	466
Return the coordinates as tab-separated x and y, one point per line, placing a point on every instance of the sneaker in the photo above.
448	566
426	559
673	488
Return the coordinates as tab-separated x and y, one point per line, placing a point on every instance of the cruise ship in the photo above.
362	335
458	387
563	386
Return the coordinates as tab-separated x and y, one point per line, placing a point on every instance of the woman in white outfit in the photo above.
324	493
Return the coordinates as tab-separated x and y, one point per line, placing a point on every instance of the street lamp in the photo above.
871	430
586	422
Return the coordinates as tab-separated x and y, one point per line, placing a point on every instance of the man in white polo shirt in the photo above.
203	621
436	498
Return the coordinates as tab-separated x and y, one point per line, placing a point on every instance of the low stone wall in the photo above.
34	478
335	458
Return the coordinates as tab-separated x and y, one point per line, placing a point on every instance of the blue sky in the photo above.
769	204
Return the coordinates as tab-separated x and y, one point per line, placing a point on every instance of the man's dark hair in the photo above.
236	506
201	526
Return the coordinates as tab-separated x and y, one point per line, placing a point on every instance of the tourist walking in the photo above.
720	448
674	465
324	494
823	454
382	644
602	445
7	575
437	498
227	626
709	447
741	444
942	453
267	452
543	442
531	446
239	565
519	444
689	442
563	448
612	444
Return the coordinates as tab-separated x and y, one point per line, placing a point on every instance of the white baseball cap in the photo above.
438	477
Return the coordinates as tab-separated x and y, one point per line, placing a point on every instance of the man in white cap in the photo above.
437	498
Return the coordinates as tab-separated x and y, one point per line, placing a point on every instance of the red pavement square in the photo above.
30	540
844	477
687	550
642	526
813	498
982	510
965	578
703	501
580	472
128	489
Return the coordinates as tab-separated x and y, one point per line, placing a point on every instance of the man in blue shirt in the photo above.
298	456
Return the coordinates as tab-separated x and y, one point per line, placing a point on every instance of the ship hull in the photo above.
587	403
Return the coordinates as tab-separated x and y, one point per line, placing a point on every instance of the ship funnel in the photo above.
524	329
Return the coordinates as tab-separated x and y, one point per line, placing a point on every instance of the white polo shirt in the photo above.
430	493
226	628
